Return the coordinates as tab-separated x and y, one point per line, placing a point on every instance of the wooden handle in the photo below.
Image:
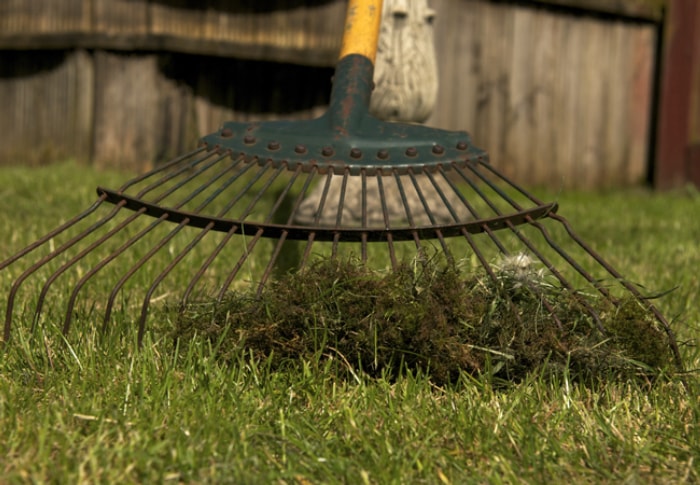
361	33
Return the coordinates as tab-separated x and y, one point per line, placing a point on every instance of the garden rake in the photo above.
203	222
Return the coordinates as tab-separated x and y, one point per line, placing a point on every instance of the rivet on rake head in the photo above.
438	149
300	149
383	154
249	139
461	145
355	153
273	145
411	152
227	133
327	151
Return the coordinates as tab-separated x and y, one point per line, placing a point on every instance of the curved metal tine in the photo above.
492	236
166	166
104	262
111	257
43	261
71	222
572	262
280	242
321	205
73	241
169	176
431	216
409	215
602	262
363	221
259	232
629	286
387	222
82	254
195	241
339	214
548	264
227	237
50	235
144	259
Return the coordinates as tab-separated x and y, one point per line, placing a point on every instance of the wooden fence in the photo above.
558	98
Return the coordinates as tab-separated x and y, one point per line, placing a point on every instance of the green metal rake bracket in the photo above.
347	137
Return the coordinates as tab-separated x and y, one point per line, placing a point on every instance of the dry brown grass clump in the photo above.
430	318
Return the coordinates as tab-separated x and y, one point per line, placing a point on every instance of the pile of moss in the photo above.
430	318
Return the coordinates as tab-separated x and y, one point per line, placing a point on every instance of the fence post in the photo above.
678	124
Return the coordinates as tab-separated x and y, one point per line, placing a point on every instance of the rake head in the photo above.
288	193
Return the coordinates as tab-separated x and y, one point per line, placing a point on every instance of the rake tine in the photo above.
278	203
104	262
161	244
52	234
317	218
387	223
35	267
259	233
129	243
339	214
363	204
431	216
409	215
534	250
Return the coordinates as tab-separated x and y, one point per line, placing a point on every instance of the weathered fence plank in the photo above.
555	98
46	101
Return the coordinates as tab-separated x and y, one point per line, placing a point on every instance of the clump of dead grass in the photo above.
431	318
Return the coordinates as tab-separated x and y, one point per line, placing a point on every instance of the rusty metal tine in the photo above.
155	249
118	252
183	253
95	269
387	222
503	177
431	216
35	267
156	282
470	207
56	274
339	213
207	263
246	212
171	175
50	235
574	264
307	250
246	253
341	200
278	203
487	267
363	202
165	166
421	197
557	274
321	204
409	215
441	193
191	176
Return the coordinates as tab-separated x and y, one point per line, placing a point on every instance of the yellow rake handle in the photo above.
362	28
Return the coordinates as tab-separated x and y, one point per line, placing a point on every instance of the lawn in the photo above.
95	409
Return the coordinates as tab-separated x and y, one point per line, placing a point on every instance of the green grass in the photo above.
93	409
